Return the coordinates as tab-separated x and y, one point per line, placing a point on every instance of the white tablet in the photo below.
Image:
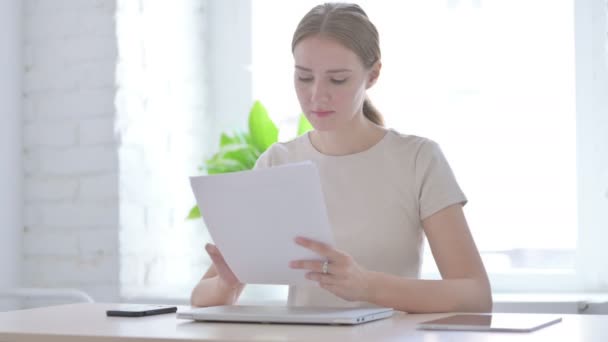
507	322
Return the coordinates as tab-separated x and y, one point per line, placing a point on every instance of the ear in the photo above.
374	73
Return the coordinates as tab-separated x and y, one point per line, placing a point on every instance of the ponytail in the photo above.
371	113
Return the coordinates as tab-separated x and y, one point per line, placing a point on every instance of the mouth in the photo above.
322	113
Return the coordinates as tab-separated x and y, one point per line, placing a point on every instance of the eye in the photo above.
338	81
304	79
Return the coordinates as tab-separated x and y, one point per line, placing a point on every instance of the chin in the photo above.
323	126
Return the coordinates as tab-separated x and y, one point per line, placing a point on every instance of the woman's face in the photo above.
330	81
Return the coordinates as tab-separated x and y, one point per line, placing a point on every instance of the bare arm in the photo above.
213	289
465	285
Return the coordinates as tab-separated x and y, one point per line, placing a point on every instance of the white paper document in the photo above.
254	216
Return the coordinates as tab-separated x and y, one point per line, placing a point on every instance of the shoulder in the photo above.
281	152
413	146
413	152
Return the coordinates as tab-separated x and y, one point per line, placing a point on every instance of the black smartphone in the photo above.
139	310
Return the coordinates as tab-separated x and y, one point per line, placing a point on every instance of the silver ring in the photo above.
325	267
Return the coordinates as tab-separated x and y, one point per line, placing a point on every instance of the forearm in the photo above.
212	292
424	296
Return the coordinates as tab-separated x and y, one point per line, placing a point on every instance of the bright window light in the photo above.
493	83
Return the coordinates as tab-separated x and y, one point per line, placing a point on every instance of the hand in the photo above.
226	276
344	277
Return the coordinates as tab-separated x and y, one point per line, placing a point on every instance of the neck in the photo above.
358	136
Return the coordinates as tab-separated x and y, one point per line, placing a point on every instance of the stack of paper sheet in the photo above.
254	216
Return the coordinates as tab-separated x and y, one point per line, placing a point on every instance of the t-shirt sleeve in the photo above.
436	184
264	160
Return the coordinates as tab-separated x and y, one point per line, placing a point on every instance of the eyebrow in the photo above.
328	71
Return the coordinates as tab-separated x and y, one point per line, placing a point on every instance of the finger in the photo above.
215	255
320	248
221	266
212	248
333	288
313	265
322	278
317	267
336	289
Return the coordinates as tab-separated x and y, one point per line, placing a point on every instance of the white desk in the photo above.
88	322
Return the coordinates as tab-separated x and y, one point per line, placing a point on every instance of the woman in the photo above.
383	189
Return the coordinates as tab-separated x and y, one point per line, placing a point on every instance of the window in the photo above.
494	83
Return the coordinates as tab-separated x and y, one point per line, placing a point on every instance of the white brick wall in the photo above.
11	147
162	124
70	154
50	134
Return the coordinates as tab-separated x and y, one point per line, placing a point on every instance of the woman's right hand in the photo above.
225	274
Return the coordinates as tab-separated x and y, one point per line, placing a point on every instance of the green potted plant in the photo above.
240	151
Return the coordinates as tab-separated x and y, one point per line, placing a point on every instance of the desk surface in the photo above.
88	322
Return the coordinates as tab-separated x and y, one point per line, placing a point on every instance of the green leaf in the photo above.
245	138
243	153
230	158
223	165
235	138
194	213
263	131
304	125
225	140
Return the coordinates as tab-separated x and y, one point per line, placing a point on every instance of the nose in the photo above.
319	92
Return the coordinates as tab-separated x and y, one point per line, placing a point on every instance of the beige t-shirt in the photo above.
376	200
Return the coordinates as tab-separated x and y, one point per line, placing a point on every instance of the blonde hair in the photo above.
349	25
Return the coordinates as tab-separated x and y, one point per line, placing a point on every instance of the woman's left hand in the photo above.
342	277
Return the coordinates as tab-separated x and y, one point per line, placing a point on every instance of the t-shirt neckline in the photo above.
369	150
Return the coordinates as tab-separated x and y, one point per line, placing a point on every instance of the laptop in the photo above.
285	314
